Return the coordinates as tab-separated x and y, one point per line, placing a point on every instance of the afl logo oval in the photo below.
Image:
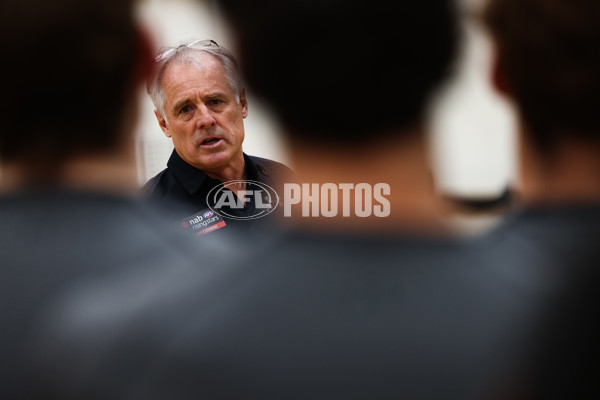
208	214
223	202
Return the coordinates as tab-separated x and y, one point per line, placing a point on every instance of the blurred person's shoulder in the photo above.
538	250
78	216
546	241
89	326
86	235
54	241
551	254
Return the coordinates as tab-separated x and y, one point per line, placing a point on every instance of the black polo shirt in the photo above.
183	189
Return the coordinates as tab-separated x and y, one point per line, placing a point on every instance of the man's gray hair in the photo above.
192	53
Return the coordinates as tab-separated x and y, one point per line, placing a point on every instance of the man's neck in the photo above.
570	174
402	164
234	171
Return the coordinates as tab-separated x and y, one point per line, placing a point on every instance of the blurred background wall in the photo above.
472	128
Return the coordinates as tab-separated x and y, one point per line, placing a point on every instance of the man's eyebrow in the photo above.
215	95
180	103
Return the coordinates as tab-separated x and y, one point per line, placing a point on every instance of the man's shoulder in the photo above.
157	183
271	168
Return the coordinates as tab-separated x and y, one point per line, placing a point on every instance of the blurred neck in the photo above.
403	164
112	173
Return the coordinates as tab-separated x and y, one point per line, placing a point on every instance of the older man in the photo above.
201	105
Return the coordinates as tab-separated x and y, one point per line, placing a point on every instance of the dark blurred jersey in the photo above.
52	241
309	316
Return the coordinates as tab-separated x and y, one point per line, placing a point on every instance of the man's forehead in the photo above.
192	76
179	71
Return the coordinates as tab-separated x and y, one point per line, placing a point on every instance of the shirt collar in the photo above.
252	170
192	179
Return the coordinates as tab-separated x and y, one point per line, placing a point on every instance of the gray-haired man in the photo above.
201	105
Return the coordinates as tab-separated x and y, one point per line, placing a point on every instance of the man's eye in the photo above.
215	102
185	110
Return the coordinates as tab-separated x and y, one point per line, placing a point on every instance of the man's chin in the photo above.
214	161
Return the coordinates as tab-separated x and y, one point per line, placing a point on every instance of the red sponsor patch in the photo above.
211	228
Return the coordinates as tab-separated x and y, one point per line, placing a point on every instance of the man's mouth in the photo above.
212	141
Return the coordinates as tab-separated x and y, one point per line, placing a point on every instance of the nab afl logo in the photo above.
222	200
208	214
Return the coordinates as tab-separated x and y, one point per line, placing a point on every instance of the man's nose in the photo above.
205	118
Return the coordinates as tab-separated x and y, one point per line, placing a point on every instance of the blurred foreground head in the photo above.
335	71
548	63
69	69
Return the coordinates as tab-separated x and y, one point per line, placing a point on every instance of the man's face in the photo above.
204	120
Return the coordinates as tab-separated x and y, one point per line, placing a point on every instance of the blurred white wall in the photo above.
473	130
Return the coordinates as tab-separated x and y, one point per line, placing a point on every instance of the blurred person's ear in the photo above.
498	77
144	62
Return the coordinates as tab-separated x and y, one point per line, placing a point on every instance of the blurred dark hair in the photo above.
550	53
67	67
338	70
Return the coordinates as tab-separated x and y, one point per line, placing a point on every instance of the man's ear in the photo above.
499	77
162	122
244	103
